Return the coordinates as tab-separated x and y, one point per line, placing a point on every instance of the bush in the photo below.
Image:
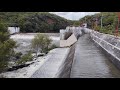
7	46
25	58
3	65
107	29
46	50
53	46
41	43
18	55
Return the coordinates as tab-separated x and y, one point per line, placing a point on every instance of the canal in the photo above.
90	62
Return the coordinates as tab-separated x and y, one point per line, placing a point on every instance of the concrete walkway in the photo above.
90	62
51	68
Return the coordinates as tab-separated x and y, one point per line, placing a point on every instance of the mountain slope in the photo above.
109	22
35	21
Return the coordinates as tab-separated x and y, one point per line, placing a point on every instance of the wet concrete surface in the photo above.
52	67
90	62
66	69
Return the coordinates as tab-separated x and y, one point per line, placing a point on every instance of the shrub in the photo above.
25	58
18	55
41	43
7	46
53	46
3	65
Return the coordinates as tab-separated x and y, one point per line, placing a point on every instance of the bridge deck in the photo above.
90	62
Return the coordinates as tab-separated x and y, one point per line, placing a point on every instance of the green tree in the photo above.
6	47
35	21
109	22
76	23
25	58
41	43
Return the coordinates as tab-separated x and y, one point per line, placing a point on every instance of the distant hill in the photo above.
109	21
35	21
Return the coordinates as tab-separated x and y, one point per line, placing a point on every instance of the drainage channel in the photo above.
90	62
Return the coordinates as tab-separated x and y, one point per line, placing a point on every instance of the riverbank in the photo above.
24	40
57	55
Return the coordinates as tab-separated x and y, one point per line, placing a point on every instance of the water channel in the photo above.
90	62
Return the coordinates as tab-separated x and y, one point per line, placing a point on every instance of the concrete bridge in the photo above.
91	55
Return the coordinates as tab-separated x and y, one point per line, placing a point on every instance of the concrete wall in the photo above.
13	30
70	41
65	69
77	31
52	67
109	44
62	34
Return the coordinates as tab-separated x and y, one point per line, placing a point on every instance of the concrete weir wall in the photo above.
65	68
109	44
76	32
60	63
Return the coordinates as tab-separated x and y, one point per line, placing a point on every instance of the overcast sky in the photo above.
73	15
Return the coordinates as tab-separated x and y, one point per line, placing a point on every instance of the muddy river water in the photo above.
24	40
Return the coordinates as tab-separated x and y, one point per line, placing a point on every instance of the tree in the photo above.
109	22
25	58
76	23
35	21
41	43
6	47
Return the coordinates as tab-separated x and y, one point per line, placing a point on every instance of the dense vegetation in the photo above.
109	22
47	22
6	47
28	22
35	21
41	43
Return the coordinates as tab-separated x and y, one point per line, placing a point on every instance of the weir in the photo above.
96	55
90	62
91	55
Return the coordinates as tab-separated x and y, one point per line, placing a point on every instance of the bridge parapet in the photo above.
110	44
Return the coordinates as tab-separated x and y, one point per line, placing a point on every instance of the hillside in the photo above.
34	21
109	22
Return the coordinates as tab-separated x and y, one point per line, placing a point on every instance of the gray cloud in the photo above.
73	15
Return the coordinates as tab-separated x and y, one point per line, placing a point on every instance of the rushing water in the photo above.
24	40
90	62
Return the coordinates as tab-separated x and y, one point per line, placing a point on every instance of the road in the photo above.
90	62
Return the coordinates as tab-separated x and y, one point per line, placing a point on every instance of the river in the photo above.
24	40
